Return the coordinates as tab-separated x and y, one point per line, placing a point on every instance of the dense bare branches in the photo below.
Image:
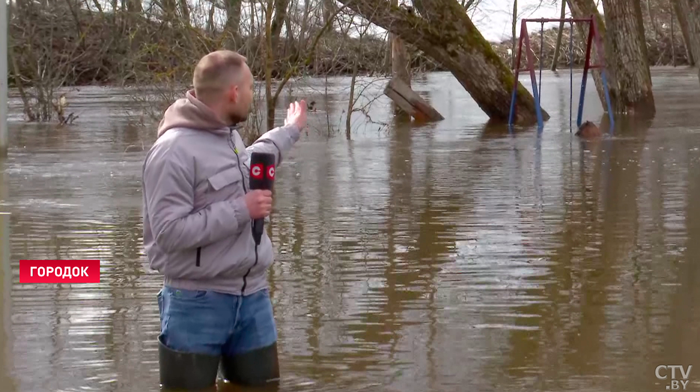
157	43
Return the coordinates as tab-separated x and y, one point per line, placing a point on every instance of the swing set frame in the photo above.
593	38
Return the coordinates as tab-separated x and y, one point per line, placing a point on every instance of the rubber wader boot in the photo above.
185	371
256	368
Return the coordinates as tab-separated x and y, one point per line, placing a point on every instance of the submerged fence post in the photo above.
5	304
4	139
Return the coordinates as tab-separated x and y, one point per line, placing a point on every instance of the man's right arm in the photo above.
169	193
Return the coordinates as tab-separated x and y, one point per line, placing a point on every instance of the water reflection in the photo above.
443	256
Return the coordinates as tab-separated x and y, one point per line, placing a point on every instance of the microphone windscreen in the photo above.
262	170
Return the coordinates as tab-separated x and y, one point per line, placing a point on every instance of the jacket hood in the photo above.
190	112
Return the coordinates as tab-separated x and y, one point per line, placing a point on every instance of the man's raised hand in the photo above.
296	114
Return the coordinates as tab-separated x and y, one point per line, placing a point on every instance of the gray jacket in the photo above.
197	228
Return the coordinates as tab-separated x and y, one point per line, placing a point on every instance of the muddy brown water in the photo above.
443	257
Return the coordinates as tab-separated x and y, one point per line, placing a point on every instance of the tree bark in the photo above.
387	53
210	18
133	6
400	64
652	20
682	18
328	10
630	66
560	34
691	8
169	8
584	9
269	59
513	34
444	32
233	20
185	12
281	7
673	41
304	26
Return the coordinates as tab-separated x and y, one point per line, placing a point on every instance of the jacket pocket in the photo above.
224	185
224	178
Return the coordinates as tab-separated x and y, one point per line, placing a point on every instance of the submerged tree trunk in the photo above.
584	9
682	18
630	66
444	32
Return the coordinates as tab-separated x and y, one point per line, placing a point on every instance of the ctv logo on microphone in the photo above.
257	171
59	271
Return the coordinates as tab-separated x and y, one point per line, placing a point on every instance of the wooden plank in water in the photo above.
5	303
410	102
3	80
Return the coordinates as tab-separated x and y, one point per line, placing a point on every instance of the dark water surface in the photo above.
446	257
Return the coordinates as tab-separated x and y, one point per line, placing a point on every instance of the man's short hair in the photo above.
216	71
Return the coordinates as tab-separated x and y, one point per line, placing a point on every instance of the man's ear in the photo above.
236	93
233	93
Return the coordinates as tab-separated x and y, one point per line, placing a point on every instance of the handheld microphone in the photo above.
262	176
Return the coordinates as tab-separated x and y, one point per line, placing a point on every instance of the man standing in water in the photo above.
215	308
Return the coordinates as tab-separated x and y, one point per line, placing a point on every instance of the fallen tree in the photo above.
444	32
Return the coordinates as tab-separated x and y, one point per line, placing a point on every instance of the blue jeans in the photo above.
208	322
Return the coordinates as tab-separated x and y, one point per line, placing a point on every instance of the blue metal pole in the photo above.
607	99
579	119
533	78
586	67
541	58
512	106
540	122
571	75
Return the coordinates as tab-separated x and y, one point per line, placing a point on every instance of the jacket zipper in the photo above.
235	151
199	254
238	158
245	277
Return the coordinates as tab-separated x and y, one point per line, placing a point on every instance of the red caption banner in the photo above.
59	271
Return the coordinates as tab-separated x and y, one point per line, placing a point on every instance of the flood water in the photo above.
443	257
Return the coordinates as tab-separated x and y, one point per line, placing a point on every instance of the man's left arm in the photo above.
277	141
